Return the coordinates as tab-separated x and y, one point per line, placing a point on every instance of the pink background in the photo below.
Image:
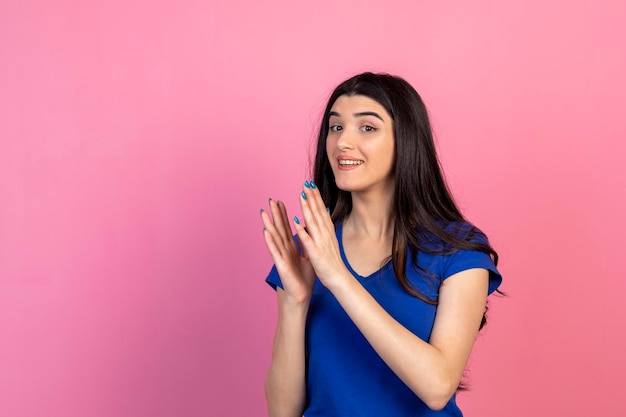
138	140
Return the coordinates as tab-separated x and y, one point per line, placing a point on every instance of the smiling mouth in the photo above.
349	162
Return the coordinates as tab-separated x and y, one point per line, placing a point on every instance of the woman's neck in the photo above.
371	216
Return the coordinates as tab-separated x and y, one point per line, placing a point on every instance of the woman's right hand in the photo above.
295	270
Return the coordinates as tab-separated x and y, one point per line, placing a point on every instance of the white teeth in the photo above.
349	162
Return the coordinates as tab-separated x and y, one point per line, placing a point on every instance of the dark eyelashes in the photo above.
365	128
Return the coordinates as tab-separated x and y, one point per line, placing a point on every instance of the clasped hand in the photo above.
320	250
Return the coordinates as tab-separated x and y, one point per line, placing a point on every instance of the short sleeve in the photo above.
273	279
468	259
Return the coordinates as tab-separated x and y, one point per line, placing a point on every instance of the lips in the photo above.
347	163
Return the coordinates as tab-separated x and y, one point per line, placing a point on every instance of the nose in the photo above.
345	140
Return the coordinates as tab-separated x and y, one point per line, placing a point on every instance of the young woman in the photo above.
383	290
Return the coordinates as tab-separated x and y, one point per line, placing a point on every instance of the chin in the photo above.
347	186
343	184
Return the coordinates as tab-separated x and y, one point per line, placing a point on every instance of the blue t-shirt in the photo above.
345	376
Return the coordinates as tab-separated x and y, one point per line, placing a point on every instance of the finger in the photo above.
282	226
269	231
266	219
320	205
313	197
285	218
303	235
318	208
308	215
314	210
271	246
289	238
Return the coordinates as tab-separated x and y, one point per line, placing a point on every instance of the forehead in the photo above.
349	105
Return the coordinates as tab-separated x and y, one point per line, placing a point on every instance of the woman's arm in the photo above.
285	385
432	370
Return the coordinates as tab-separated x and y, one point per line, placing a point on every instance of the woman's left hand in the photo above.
319	239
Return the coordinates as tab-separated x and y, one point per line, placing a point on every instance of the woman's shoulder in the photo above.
466	231
448	232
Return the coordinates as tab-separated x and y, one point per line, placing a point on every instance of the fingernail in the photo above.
303	195
306	184
261	212
328	210
313	185
295	219
269	200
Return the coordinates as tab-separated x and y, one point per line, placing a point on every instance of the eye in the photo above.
368	128
335	128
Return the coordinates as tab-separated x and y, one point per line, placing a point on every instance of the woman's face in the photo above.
360	145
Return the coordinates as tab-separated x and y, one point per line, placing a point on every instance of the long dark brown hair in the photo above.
423	208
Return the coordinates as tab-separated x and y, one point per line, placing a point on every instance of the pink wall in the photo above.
139	139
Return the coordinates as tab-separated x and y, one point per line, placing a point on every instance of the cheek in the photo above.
390	155
392	148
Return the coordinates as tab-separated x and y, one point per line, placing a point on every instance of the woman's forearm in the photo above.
285	385
431	370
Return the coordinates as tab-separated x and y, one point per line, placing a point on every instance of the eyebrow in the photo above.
359	114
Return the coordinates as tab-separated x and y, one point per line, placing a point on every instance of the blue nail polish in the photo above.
295	219
306	184
328	210
313	185
269	200
261	212
303	195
